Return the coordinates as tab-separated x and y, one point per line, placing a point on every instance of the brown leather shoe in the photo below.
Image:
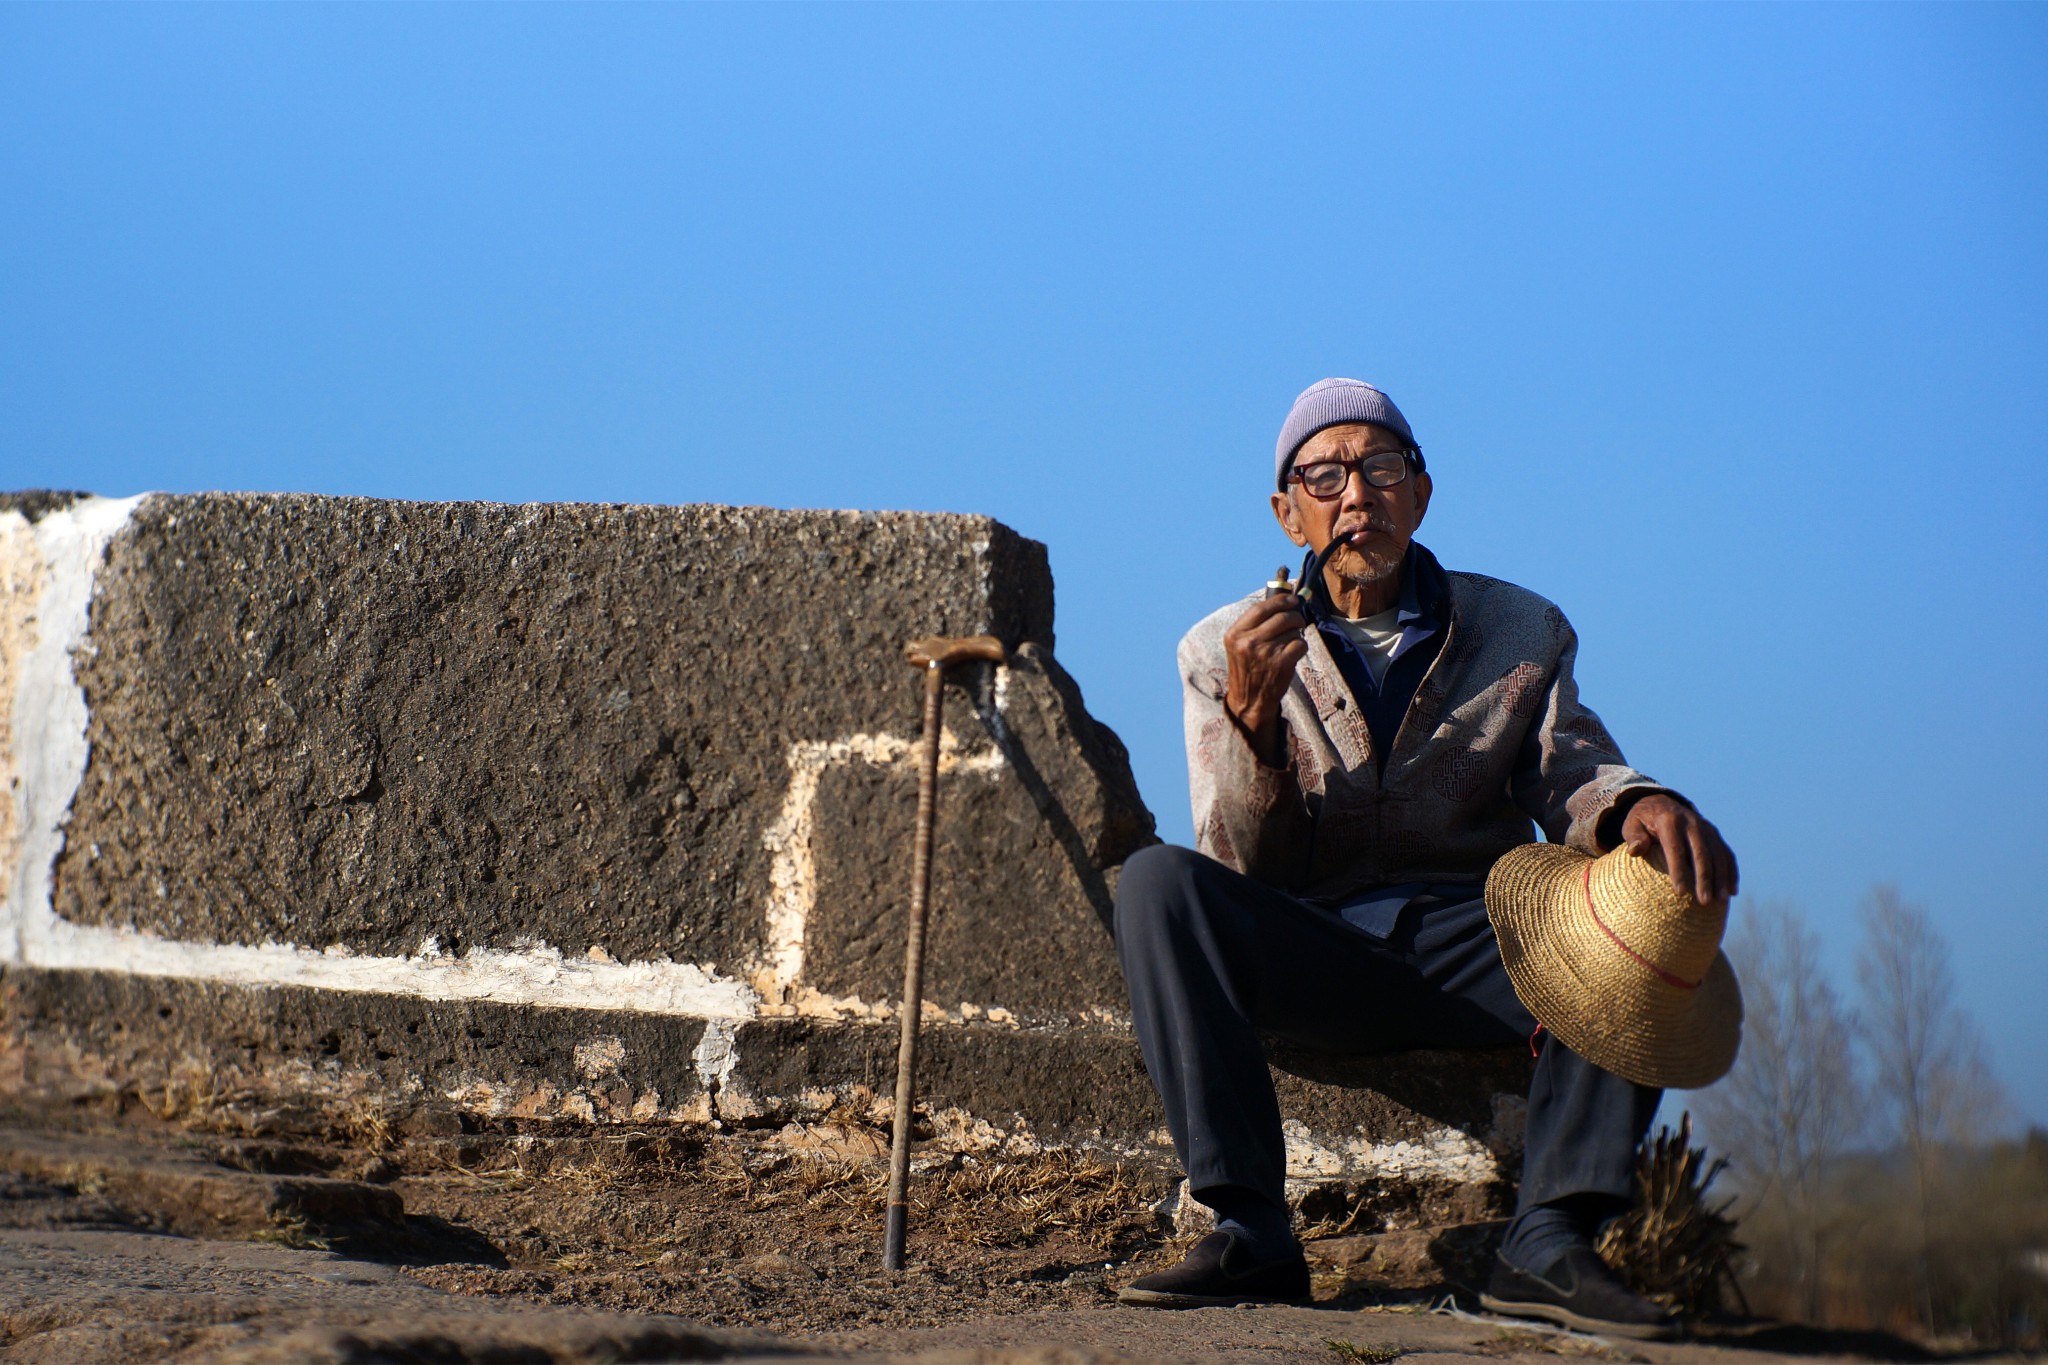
1218	1272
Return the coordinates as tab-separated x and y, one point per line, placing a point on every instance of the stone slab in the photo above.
191	1195
537	741
186	1046
389	722
305	1060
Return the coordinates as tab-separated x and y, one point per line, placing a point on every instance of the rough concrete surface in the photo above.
1328	1335
756	1248
187	1193
76	1295
388	723
1063	800
70	1036
71	1295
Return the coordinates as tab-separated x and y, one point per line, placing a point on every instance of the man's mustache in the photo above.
1370	524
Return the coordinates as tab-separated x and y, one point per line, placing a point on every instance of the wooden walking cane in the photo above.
934	656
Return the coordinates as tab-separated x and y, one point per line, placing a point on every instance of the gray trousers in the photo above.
1213	959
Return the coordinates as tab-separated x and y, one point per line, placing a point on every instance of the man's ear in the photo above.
1283	512
1423	488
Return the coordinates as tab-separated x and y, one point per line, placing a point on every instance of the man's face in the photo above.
1380	521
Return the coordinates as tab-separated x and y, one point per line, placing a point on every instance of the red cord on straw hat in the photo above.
1669	978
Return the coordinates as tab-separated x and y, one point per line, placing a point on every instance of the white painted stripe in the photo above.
529	976
792	870
1442	1153
48	715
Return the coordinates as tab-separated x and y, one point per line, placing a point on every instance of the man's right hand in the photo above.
1262	647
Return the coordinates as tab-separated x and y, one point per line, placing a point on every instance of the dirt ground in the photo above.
130	1241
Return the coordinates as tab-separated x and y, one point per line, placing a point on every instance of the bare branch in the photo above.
1932	1079
1793	1104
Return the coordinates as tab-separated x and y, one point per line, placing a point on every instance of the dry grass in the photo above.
1364	1355
840	1182
1674	1246
1011	1203
1014	1203
89	1181
192	1095
980	1202
588	1178
295	1233
1336	1227
364	1123
200	1097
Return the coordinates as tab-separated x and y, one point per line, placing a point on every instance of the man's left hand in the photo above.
1699	860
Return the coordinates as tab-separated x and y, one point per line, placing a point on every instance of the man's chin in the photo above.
1364	567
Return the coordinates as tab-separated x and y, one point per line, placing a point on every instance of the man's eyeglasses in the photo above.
1325	479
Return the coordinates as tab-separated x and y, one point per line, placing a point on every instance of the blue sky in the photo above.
1723	327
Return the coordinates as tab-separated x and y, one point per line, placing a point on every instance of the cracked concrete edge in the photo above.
188	1194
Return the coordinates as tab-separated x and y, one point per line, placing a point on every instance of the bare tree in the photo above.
1932	1079
1792	1105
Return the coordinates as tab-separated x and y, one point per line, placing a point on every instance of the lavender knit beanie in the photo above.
1327	402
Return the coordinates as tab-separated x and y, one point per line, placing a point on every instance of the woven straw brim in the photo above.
1585	988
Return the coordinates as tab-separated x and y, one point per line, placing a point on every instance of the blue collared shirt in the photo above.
1424	617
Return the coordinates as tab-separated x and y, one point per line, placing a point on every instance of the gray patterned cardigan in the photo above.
1496	737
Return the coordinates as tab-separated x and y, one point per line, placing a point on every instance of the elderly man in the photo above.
1360	753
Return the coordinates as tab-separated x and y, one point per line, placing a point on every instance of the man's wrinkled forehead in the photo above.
1349	438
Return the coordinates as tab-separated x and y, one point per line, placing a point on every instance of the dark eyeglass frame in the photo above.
1378	472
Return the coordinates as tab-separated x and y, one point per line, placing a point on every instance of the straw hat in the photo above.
1623	968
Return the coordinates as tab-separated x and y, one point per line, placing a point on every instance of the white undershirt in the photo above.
1374	637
